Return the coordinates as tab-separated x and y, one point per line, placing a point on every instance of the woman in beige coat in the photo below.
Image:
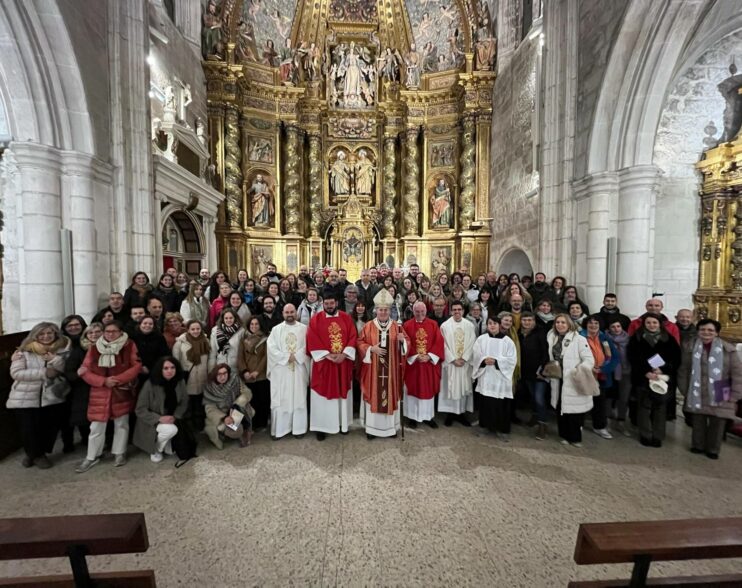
191	349
228	410
710	378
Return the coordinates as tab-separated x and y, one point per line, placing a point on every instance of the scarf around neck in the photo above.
716	391
109	351
547	317
199	348
224	334
651	338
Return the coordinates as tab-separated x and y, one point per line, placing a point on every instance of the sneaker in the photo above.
604	433
578	444
156	457
85	465
623	428
119	460
42	462
564	442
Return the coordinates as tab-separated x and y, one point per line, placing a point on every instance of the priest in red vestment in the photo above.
331	342
423	373
382	349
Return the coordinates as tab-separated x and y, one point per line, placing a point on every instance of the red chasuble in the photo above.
332	334
381	380
423	380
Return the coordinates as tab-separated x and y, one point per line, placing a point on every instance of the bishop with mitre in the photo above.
288	372
423	372
331	342
382	347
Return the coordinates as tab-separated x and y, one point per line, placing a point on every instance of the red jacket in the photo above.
216	309
111	403
671	328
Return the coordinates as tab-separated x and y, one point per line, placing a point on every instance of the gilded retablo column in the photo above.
292	182
466	178
736	273
232	170
411	183
315	184
389	188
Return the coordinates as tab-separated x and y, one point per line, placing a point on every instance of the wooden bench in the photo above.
643	542
76	537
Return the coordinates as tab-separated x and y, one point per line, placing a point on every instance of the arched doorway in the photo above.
182	243
515	261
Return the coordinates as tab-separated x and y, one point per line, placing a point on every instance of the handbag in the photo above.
584	381
552	369
56	387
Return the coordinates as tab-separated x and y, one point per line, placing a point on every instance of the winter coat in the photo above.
303	314
255	361
575	351
79	389
195	311
150	407
110	403
31	388
230	357
610	363
217	305
150	349
171	300
133	297
639	352
732	370
605	317
534	353
197	374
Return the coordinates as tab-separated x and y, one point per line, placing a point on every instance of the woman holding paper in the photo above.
710	378
654	356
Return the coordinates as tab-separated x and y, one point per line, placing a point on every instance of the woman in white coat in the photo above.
568	349
191	349
225	340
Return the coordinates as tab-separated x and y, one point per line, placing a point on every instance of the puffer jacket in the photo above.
197	374
230	357
30	385
575	351
111	403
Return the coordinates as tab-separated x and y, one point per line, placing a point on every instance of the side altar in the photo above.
350	133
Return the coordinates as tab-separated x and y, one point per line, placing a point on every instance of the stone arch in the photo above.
515	260
189	255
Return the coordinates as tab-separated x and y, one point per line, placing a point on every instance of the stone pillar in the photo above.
467	181
636	202
389	190
411	183
232	170
40	218
292	181
211	246
315	185
593	195
158	231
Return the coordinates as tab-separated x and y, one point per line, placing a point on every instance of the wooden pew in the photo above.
76	537
643	542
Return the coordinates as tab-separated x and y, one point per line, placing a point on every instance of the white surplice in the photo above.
457	394
495	382
289	381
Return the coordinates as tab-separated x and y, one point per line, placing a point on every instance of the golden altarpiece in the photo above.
341	140
719	295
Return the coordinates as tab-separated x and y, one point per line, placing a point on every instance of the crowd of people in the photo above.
162	363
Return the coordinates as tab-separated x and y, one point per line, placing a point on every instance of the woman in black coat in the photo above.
170	296
652	345
151	346
139	292
76	403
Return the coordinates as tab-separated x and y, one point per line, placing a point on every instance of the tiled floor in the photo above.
446	507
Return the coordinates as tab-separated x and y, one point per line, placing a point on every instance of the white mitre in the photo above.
383	299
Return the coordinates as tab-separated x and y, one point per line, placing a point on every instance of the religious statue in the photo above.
270	56
441	261
185	100
352	77
200	131
430	57
388	66
286	66
311	62
260	150
729	89
340	175
412	60
365	174
168	105
246	48
440	206
211	33
261	201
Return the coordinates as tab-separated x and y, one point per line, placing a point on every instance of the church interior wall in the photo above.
514	179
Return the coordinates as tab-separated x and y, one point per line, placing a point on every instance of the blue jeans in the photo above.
537	390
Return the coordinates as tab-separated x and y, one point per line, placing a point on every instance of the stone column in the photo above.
411	183
232	170
40	218
315	185
467	181
212	251
292	182
158	231
389	190
636	202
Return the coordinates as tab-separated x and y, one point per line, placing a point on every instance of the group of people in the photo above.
308	352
